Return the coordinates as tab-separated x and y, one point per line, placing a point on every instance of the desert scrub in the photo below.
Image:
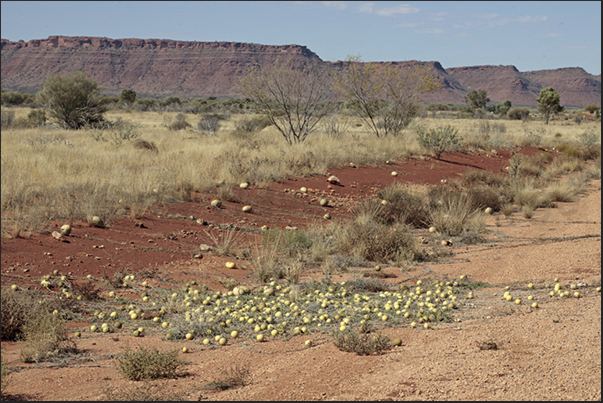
360	343
145	363
405	204
438	140
234	377
16	307
45	337
377	242
451	209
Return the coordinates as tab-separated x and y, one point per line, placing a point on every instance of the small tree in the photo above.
502	109
384	95
293	100
548	103
127	96
477	99
73	101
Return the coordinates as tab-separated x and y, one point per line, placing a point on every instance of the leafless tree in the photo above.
293	99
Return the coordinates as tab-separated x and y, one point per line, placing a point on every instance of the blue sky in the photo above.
529	35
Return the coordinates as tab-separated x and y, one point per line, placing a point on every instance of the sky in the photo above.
530	35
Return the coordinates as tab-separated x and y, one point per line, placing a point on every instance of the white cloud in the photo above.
462	35
366	8
433	31
530	18
407	24
369	8
339	5
399	9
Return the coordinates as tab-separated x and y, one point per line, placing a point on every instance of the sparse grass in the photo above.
148	364
96	175
360	343
147	392
226	242
235	376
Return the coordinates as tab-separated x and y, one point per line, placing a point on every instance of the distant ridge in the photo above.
163	67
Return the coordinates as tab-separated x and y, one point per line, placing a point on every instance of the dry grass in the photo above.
234	377
147	392
78	175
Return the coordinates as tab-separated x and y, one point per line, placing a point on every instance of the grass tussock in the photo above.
377	242
234	377
148	364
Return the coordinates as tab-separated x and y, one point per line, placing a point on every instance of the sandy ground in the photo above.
549	353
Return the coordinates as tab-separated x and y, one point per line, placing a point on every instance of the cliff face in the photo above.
159	68
151	67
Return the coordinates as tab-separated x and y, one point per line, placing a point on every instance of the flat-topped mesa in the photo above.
165	67
134	43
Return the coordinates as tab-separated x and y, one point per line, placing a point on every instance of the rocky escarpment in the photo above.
151	67
160	67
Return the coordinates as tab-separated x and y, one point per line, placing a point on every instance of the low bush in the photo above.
16	307
518	113
45	337
252	124
404	205
208	125
361	343
147	364
438	140
377	242
178	123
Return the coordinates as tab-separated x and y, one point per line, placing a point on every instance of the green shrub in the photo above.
73	101
17	98
438	140
518	113
145	363
36	117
